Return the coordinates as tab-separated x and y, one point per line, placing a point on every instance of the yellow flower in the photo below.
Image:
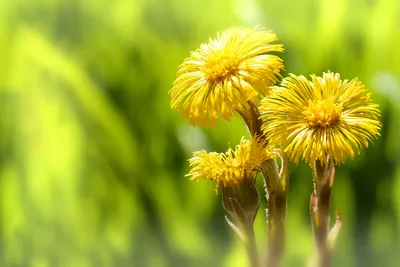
325	118
233	166
220	77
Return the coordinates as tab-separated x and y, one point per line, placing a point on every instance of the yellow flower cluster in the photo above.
323	119
232	166
221	77
320	119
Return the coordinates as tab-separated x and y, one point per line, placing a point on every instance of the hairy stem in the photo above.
320	212
276	187
241	202
251	247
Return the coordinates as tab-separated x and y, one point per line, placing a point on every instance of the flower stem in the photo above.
251	247
276	186
241	201
320	211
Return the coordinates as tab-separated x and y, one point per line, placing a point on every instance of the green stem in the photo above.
276	187
251	247
241	202
320	211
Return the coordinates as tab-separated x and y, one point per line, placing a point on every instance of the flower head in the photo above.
221	77
320	119
233	166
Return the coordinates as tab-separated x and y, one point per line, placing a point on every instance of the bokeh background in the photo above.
92	158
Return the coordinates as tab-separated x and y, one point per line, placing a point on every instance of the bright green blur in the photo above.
92	158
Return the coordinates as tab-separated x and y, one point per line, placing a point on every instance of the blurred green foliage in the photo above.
93	159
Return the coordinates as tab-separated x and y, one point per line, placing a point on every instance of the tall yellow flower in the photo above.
233	166
220	77
325	118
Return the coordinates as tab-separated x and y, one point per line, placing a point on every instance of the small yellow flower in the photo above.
320	119
233	166
220	77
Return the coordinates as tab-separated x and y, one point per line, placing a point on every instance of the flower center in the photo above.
323	113
218	67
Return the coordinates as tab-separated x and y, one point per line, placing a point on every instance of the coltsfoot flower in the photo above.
221	76
232	167
325	118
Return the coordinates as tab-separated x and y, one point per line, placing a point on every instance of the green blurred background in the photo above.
93	159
